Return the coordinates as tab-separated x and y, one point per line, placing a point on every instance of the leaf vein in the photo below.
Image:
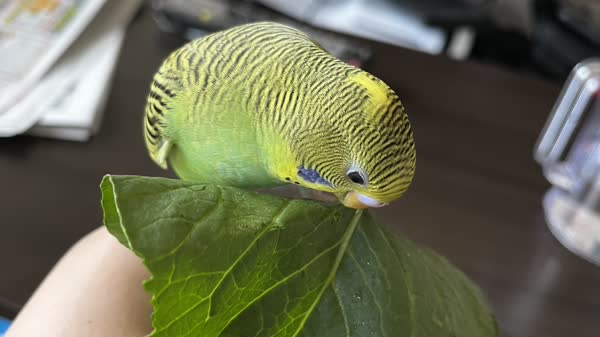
209	297
282	281
345	241
118	209
218	202
339	302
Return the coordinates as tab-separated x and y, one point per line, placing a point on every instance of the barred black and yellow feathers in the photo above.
255	103
166	83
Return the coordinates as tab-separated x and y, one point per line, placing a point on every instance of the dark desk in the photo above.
476	198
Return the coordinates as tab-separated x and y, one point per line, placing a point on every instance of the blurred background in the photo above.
539	37
48	46
502	96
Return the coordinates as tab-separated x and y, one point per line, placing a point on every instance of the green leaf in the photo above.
233	263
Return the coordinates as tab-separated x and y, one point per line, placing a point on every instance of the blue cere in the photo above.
312	176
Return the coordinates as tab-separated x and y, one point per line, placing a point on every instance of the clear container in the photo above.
569	151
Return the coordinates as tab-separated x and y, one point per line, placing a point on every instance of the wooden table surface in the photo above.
476	198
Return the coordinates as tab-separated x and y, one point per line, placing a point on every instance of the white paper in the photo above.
72	94
33	35
379	20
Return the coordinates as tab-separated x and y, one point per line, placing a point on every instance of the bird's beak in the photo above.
358	201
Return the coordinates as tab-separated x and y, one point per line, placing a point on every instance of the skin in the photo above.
93	291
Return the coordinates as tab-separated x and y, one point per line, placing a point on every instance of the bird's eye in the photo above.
356	177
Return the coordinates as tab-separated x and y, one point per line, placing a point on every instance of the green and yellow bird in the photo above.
262	104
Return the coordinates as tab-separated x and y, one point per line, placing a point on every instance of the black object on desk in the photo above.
8	309
193	19
564	35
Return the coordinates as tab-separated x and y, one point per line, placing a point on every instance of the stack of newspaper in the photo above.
56	62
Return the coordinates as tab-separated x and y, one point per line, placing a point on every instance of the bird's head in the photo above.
365	152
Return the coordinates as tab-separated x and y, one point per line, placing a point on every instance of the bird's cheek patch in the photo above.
312	176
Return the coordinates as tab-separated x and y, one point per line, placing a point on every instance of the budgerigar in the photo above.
262	104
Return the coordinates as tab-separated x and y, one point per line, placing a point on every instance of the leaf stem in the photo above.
336	264
345	241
